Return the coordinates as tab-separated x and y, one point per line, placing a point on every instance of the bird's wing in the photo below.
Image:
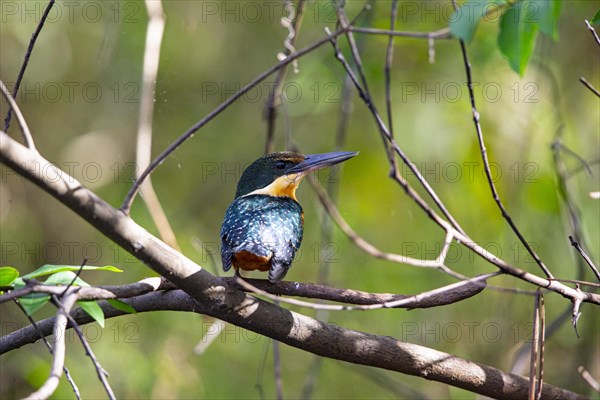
226	254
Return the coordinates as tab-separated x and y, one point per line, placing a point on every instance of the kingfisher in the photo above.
263	226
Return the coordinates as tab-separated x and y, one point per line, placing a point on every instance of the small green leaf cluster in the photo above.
58	275
520	22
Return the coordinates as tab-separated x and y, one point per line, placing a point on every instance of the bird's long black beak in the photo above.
316	161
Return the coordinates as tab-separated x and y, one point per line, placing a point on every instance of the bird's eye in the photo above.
280	165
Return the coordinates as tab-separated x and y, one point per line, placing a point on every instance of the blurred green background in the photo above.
81	96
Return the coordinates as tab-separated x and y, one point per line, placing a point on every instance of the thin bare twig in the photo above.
593	31
58	360
540	382
85	259
344	22
101	372
126	206
261	370
385	133
444	295
212	332
587	258
439	34
327	230
486	164
32	41
27	138
589	378
49	347
589	86
559	145
536	360
364	245
154	35
573	212
575	314
579	282
277	367
580	167
293	24
388	84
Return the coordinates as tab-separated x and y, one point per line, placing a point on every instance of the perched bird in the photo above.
263	226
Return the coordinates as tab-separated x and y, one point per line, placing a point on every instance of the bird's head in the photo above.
279	174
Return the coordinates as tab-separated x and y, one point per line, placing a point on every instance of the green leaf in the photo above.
93	310
546	12
518	30
90	307
464	21
49	269
596	19
64	278
33	302
121	305
8	275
